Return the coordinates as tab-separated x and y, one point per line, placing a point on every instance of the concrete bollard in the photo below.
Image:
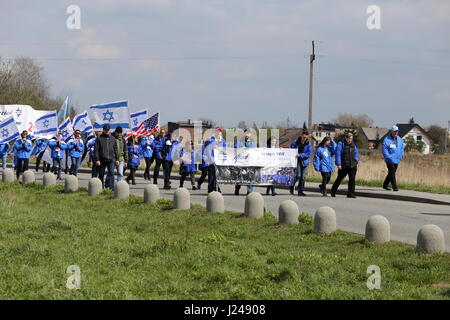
8	175
95	187
288	212
151	193
122	190
325	220
215	203
181	199
28	177
378	229
430	239
70	184
49	179
254	205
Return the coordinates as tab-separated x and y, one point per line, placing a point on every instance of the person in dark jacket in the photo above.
106	156
23	147
202	166
122	148
393	150
75	148
347	158
157	146
304	151
133	159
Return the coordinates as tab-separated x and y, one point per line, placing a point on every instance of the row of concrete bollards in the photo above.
430	238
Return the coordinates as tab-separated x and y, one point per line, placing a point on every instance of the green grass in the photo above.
379	184
130	250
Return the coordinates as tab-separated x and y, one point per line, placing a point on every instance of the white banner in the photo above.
25	116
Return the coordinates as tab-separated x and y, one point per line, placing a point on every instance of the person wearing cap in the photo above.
347	158
393	151
122	149
23	147
76	149
304	151
106	156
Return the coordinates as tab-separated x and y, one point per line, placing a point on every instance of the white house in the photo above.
417	132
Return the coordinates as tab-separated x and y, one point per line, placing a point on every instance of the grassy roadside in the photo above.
130	250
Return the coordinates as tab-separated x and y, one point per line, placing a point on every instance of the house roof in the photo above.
290	135
371	133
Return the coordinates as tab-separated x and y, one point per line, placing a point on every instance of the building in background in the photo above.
416	132
370	137
188	125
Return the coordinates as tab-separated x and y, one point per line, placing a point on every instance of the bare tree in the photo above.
347	119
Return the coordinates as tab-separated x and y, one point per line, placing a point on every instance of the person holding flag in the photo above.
4	147
40	146
75	150
23	147
57	147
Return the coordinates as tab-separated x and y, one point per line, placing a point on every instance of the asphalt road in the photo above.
405	217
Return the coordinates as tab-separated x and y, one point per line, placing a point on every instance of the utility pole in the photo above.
312	57
446	136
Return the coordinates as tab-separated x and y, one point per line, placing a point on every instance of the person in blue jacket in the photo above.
202	166
347	158
23	147
159	153
40	145
214	142
90	145
134	160
248	143
147	152
4	147
188	165
324	162
170	147
393	150
304	151
75	148
57	147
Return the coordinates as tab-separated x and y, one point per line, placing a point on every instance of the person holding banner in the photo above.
57	147
304	149
4	147
148	154
23	147
324	162
75	148
248	143
106	156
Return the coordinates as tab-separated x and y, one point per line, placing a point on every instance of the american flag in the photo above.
147	127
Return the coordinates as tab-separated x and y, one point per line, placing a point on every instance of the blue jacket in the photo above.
75	149
172	150
208	150
339	148
133	156
147	150
304	156
23	149
53	146
323	158
189	167
393	149
157	145
4	147
41	144
90	145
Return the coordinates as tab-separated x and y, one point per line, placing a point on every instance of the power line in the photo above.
387	61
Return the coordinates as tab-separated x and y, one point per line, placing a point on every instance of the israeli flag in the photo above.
64	110
66	130
82	122
46	125
137	118
114	114
8	130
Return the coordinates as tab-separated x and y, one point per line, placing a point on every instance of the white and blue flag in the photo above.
8	130
114	114
137	118
83	123
66	130
46	126
64	110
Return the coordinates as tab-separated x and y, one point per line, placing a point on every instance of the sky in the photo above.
233	60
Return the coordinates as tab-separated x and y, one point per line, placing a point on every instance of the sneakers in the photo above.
395	189
333	194
301	194
351	195
274	194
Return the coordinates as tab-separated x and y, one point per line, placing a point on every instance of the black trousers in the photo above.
202	178
326	176
131	175
148	164
167	170
212	181
342	173
22	166
158	163
390	178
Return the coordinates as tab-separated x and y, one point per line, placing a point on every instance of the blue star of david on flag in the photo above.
84	122
65	134
5	133
135	122
108	116
46	123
